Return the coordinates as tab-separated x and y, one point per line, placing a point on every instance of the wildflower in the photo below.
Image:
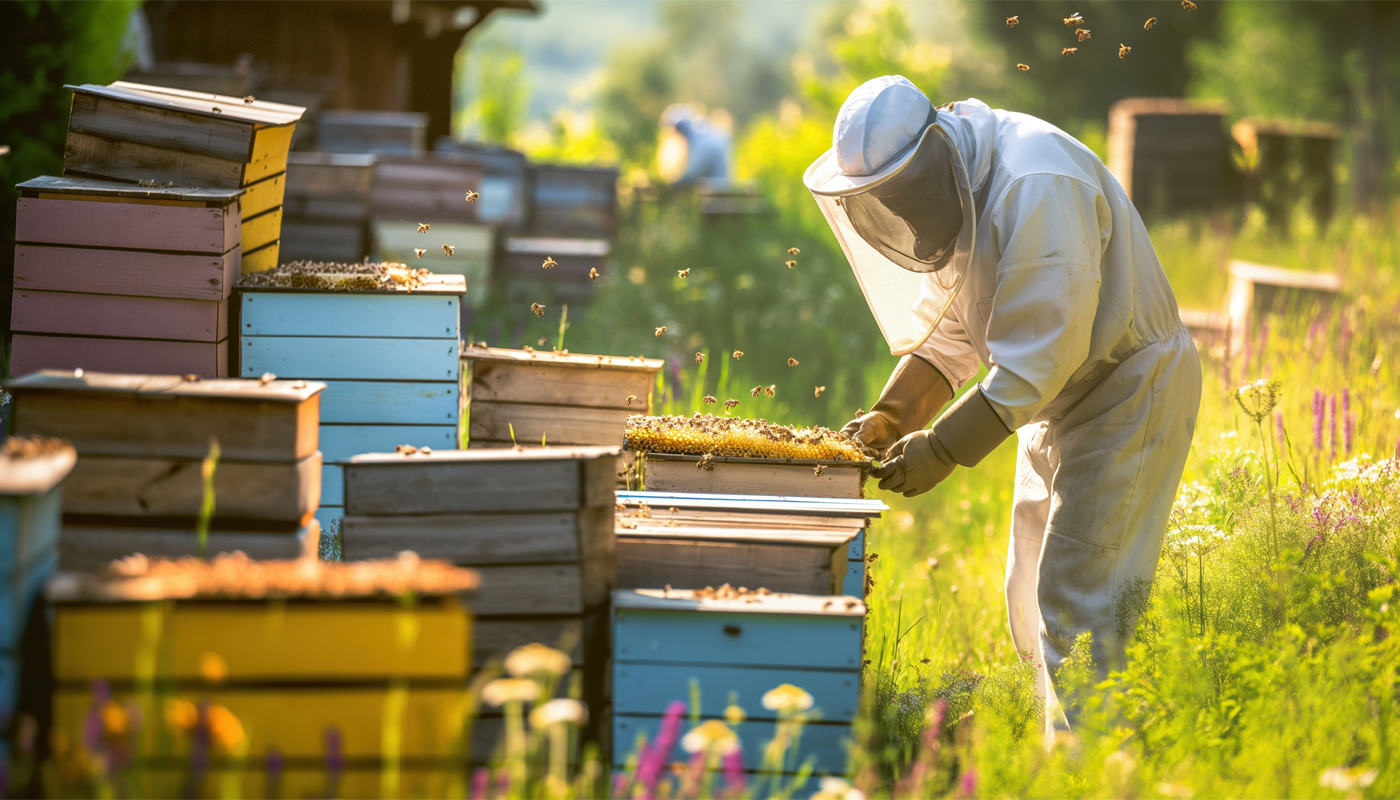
213	668
533	659
224	728
1332	433
1278	418
335	751
1346	780
837	789
1257	399
1348	421
734	715
560	709
656	754
968	783
1319	412
734	778
481	782
787	699
507	690
711	736
181	714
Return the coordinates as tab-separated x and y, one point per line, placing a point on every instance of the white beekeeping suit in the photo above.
1025	255
707	146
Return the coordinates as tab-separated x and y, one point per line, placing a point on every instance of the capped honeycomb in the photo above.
733	437
386	276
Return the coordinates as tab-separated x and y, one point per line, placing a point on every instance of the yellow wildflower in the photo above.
787	699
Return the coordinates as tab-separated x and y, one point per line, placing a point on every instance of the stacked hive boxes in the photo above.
290	679
123	278
31	506
327	207
154	135
389	359
573	218
389	132
141	442
536	524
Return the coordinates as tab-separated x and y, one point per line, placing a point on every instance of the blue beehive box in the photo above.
738	648
31	510
388	357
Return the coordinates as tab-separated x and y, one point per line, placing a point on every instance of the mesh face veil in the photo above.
907	231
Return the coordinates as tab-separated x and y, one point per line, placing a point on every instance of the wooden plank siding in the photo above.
826	743
561	425
791	480
737	638
170	128
90	548
133	226
126	272
262	229
30	353
650	561
341	442
260	260
120	316
264	195
425	316
386	402
495	382
649	688
469	538
361	359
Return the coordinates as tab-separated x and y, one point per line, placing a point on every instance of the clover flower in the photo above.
559	710
532	659
1345	780
506	690
1257	399
787	699
837	789
711	736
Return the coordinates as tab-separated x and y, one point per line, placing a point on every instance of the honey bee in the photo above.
191	378
218	110
1074	19
540	341
1186	4
792	362
472	196
790	264
248	100
423	227
267	377
684	273
731	404
756	391
699	358
405	449
1023	67
850	604
1068	51
1012	22
818	470
418	251
538	309
826	605
660	331
1082	33
549	262
593	274
630	398
819	391
1149	24
708	400
448	249
772	390
527	348
792	251
297	384
1123	50
707	462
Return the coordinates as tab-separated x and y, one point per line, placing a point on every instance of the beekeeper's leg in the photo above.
1119	455
1030	509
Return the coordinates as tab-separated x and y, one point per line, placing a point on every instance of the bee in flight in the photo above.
738	354
709	400
792	251
538	309
730	404
1074	19
819	391
699	358
1068	51
1123	50
472	196
630	398
418	251
423	227
684	273
792	362
1012	22
772	390
1082	33
790	264
1149	24
756	391
1023	67
549	262
1188	5
448	249
660	331
593	274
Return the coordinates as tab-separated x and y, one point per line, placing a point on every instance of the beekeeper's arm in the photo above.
1050	231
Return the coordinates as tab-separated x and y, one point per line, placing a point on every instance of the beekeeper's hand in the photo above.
876	430
915	464
915	392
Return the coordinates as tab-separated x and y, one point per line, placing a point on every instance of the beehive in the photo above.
387	351
134	132
31	477
1257	290
123	278
560	398
1171	154
388	132
739	645
654	553
297	653
141	441
327	207
679	511
569	281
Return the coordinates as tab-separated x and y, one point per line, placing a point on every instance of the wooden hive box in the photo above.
471	257
562	399
327	207
319	663
387	132
568	281
652	554
1256	290
794	477
31	507
124	278
134	132
573	201
536	525
389	360
1171	155
503	180
743	648
680	512
141	440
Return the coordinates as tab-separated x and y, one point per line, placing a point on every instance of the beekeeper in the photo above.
984	237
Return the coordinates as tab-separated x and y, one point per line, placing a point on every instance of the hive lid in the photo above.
489	454
752	603
287	391
772	504
258	112
501	355
234	576
32	465
101	188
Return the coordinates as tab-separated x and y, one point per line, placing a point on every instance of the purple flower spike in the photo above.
651	764
503	782
734	778
1263	340
481	782
620	786
1348	421
273	764
1319	415
1278	417
968	782
1332	437
335	754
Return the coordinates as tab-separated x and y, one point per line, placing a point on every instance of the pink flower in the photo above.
734	778
481	781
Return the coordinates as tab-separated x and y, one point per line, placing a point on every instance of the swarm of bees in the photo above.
727	592
819	391
731	404
472	196
790	264
538	309
1149	24
792	251
549	262
660	331
792	362
418	252
423	227
707	434
365	277
1074	19
708	400
1082	33
1066	51
684	273
738	354
699	358
1012	22
1188	5
593	274
448	249
1123	50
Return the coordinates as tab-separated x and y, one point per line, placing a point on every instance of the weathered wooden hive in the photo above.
383	338
738	645
137	133
349	678
124	278
31	508
327	207
141	441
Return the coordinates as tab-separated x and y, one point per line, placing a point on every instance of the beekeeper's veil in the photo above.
896	194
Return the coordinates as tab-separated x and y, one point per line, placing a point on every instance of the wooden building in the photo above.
369	55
